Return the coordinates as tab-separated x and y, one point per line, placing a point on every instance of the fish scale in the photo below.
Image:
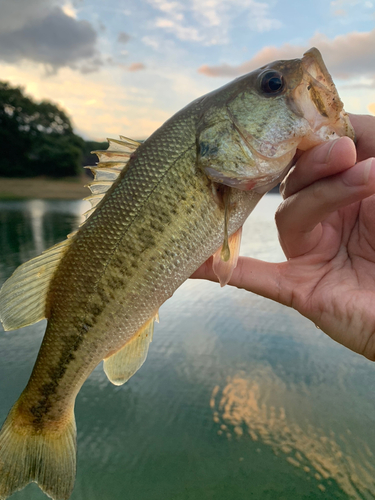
175	199
114	292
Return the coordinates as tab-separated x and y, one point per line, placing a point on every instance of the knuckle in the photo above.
287	185
283	189
279	214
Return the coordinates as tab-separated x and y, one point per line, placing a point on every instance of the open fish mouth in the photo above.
320	103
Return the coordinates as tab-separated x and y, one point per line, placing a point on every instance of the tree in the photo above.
36	138
89	158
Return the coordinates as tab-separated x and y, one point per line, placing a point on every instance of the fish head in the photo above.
251	128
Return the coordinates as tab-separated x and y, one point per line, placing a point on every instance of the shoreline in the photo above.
44	188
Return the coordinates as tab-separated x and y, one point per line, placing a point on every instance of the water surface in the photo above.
239	398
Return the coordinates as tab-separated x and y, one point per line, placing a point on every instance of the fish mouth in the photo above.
320	103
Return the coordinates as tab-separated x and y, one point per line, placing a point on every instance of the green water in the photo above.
240	398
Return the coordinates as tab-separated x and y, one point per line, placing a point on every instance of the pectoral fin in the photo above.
224	268
122	365
23	296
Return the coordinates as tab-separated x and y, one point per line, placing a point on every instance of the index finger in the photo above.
327	159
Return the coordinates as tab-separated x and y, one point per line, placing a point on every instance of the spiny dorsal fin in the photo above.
122	365
112	161
224	268
23	295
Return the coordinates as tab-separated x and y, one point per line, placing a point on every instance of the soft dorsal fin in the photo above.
122	365
224	268
23	295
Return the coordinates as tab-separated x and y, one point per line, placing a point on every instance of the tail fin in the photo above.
46	457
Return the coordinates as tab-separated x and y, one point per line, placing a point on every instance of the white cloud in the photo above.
151	42
69	10
210	21
182	32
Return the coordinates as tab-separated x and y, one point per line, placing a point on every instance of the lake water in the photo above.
240	398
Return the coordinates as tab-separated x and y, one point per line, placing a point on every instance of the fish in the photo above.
160	209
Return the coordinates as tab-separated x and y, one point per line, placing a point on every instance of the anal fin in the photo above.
224	268
123	364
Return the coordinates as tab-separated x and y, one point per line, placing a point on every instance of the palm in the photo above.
334	284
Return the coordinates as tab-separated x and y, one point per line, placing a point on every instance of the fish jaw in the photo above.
318	101
261	184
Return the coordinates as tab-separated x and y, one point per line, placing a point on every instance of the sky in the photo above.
126	66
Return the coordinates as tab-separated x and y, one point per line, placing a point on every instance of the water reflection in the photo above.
29	227
245	405
37	209
239	397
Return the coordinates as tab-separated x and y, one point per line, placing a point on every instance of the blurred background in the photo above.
240	398
77	71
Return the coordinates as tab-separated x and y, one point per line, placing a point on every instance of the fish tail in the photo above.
45	456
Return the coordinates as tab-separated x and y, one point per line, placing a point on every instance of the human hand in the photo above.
326	227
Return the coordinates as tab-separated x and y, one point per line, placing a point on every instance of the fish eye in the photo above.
272	82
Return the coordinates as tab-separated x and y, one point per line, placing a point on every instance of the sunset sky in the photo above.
125	66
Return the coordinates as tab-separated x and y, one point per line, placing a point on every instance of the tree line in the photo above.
38	139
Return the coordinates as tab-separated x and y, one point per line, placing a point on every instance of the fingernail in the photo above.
326	160
324	151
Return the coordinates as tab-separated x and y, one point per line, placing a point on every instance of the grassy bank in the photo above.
44	188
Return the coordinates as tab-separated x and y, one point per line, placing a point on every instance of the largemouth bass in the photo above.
160	209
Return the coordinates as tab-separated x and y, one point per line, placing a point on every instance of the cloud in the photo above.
101	105
92	65
264	56
346	56
15	14
46	34
182	32
69	10
123	37
340	13
209	21
151	42
348	3
136	67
